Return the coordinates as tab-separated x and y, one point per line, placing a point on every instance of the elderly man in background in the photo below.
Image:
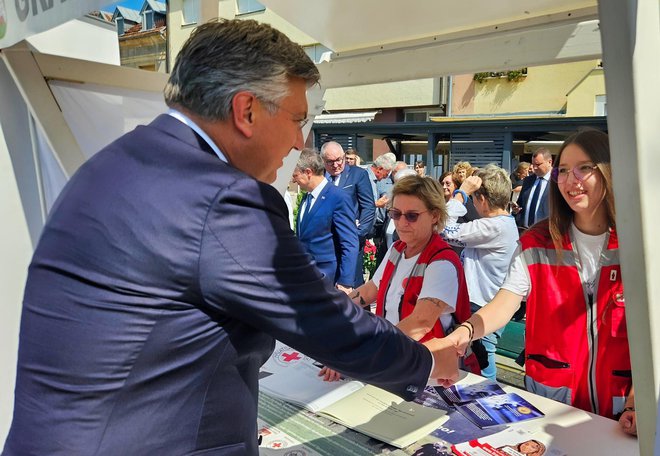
355	182
167	268
326	222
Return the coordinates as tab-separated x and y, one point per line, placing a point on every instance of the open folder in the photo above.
291	376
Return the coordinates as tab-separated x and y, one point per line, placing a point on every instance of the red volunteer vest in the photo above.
436	249
572	340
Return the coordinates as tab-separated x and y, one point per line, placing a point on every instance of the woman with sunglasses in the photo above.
420	287
567	267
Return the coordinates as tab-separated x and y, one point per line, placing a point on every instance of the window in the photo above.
315	51
120	25
148	20
416	117
249	6
190	11
600	105
421	115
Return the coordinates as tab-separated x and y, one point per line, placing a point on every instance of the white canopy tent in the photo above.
378	41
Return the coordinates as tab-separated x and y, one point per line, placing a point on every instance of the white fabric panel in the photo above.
53	178
97	115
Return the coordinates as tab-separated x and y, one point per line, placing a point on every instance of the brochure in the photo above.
486	404
457	428
510	442
291	376
459	394
498	410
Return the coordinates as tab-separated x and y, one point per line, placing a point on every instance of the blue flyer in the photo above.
457	428
499	410
458	394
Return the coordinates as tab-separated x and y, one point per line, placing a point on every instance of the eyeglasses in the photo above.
581	172
301	122
411	217
336	161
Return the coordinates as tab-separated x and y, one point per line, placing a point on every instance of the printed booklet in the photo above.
293	377
487	405
510	442
457	428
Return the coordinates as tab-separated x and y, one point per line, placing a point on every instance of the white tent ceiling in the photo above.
375	41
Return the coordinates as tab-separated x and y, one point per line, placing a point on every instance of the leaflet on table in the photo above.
499	410
510	442
460	393
457	428
292	376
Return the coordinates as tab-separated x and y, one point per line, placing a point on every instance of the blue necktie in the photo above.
531	217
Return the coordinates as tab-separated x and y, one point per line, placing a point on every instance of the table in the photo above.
297	432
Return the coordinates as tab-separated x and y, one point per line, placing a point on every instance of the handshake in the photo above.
447	353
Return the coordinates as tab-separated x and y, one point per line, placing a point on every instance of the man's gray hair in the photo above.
310	158
404	173
384	161
222	58
330	143
547	155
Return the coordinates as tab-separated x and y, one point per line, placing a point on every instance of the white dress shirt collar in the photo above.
186	120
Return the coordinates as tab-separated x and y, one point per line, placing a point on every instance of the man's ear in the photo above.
243	106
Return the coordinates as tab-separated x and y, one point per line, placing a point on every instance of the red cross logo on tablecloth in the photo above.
288	357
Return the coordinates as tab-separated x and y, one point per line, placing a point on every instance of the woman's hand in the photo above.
460	338
471	184
628	422
628	419
329	375
347	290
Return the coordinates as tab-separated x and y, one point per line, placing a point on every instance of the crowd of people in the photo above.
148	314
555	249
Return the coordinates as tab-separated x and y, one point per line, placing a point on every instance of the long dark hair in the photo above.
596	145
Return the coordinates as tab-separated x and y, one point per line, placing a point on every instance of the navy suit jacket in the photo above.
355	181
329	233
154	295
543	211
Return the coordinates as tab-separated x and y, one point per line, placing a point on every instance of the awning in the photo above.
346	117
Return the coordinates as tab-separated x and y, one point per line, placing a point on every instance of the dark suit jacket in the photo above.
328	232
355	181
543	211
153	297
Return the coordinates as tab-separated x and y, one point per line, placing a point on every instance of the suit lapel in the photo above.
320	200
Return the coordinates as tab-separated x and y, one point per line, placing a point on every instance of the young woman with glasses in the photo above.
567	267
421	283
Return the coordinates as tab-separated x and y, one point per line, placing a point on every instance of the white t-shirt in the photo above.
488	244
588	249
440	282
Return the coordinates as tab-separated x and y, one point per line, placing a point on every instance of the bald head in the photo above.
333	157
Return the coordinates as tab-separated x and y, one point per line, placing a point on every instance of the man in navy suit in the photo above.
167	268
326	222
532	205
354	181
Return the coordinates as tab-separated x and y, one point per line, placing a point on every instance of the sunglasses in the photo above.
411	217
